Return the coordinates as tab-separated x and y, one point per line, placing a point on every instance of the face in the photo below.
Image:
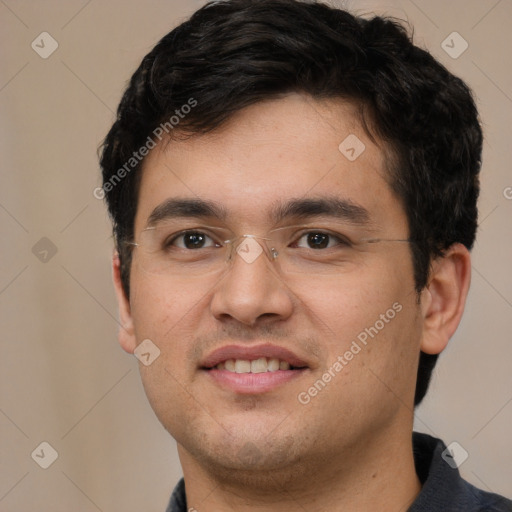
351	335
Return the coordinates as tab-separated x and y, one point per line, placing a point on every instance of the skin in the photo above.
349	448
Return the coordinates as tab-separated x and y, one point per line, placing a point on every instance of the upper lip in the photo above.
251	353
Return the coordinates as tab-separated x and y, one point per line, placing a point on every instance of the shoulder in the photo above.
178	501
486	501
443	488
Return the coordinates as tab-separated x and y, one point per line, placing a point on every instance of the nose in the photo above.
251	290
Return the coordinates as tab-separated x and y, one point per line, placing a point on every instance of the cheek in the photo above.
166	314
164	311
370	318
356	299
372	349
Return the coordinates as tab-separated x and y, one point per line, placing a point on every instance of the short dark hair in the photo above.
235	53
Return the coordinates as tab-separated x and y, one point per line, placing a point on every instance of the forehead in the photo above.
290	148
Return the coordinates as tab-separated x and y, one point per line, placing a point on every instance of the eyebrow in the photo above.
193	208
299	209
335	207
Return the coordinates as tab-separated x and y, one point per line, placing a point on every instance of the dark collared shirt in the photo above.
443	489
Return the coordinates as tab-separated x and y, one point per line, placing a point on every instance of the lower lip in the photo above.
251	383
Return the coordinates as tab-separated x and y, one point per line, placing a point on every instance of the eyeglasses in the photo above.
166	249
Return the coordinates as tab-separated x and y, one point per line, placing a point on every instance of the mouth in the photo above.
250	370
260	365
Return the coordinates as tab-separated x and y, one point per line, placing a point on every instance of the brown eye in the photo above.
191	240
320	240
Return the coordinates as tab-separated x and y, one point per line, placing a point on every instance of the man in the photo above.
293	191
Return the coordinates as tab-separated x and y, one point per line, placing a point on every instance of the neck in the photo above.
374	475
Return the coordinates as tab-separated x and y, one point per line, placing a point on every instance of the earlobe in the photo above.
126	334
444	298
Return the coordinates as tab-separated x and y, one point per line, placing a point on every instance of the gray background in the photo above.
63	377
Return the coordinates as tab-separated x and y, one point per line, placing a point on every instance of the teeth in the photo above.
273	365
242	366
260	365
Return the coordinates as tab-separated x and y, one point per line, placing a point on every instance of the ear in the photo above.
444	298
126	331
